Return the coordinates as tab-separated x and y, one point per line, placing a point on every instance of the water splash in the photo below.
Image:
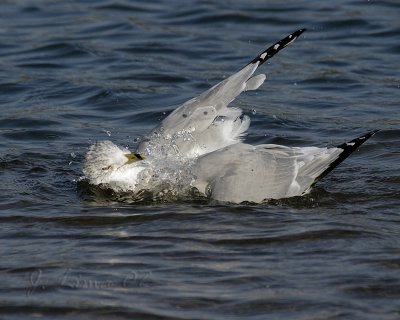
161	145
169	175
107	132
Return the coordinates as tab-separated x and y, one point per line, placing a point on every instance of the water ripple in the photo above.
76	72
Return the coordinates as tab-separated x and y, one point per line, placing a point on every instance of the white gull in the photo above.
199	146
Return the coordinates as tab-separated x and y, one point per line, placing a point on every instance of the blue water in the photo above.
73	72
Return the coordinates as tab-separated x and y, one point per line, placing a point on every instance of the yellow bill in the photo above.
133	157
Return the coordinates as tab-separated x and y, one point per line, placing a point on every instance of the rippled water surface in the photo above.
73	72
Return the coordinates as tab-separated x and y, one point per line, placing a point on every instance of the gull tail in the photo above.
348	149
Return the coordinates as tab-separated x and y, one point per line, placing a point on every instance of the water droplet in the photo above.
73	155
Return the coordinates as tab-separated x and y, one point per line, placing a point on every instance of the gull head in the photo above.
112	166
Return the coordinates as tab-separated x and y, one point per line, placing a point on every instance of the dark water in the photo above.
72	73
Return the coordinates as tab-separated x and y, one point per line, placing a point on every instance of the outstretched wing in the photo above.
220	95
190	126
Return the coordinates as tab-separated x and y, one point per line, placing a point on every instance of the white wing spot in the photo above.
276	46
350	144
263	55
290	37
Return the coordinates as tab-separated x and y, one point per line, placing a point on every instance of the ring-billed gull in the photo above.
199	145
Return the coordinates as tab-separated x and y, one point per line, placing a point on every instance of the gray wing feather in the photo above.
188	128
201	111
242	172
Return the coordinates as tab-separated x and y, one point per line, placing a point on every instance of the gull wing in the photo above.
194	121
243	172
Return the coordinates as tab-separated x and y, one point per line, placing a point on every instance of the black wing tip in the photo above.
348	149
352	145
276	47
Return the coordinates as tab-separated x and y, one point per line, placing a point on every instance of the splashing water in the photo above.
169	174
